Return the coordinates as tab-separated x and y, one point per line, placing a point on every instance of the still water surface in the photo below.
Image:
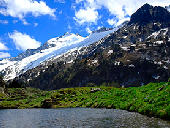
77	117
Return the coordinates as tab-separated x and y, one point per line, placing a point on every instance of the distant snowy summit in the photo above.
14	66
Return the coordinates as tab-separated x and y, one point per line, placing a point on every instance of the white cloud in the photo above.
4	21
92	4
23	41
4	55
61	12
15	21
25	22
35	24
3	47
120	8
114	6
78	1
60	1
87	15
20	8
88	30
69	27
111	21
168	8
117	8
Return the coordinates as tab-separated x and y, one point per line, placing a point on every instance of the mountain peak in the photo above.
67	34
146	6
149	14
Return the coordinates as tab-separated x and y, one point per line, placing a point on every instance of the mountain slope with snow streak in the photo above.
12	67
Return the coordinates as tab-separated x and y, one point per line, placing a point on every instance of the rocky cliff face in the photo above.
149	14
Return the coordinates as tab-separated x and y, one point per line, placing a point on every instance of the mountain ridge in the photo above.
15	66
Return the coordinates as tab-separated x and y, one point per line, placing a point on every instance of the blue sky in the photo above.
27	24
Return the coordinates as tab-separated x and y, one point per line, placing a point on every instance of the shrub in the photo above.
47	103
169	80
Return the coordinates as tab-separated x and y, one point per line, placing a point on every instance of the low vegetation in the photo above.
151	100
23	98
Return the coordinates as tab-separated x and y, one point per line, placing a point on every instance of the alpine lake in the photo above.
77	117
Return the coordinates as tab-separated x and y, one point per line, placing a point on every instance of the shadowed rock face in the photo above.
149	14
2	84
1	90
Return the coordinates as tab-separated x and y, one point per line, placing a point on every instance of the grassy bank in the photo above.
151	100
23	98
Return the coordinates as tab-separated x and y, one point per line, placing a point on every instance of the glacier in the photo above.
12	67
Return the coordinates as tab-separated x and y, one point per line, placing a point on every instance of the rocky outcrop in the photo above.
93	90
1	90
149	14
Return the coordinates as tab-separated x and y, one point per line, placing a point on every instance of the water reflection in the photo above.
77	117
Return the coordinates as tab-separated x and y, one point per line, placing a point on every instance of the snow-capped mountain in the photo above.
136	54
53	48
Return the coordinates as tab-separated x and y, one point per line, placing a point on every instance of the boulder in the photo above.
93	90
